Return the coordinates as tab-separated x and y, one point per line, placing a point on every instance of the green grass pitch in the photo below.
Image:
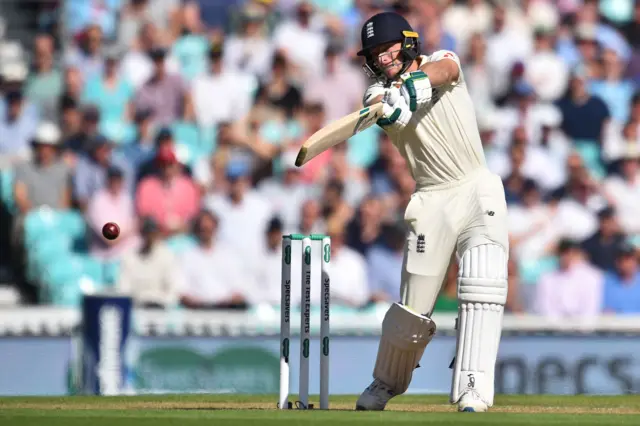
196	410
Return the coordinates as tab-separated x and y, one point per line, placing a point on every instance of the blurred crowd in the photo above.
181	120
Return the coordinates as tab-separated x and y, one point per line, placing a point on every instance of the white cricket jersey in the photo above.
441	143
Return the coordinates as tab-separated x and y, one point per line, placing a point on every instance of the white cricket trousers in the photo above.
443	218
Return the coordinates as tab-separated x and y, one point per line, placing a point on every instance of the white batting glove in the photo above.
395	111
416	89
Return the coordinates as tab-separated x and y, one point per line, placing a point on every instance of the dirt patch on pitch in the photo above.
426	408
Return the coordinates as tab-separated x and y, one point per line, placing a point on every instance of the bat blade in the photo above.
338	131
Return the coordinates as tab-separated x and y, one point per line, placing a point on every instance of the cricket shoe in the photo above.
375	397
471	402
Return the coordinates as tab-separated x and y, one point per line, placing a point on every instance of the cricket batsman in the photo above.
458	205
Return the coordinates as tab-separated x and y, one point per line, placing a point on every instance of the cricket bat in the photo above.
338	131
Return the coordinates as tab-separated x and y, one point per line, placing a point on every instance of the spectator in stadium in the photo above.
574	290
44	180
384	172
348	271
110	92
233	88
334	206
620	138
603	246
249	50
77	14
515	300
171	198
364	231
209	173
522	109
466	20
79	138
622	285
191	45
539	163
588	47
70	119
44	85
631	29
477	74
91	170
215	276
313	119
268	266
148	165
624	191
354	179
286	192
581	198
532	234
165	93
308	51
17	128
87	55
138	13
149	273
556	144
113	203
339	88
584	116
506	45
311	220
243	212
137	63
278	91
73	83
612	87
132	16
514	182
384	263
231	143
143	148
546	71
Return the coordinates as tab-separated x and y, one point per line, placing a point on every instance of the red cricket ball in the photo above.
110	231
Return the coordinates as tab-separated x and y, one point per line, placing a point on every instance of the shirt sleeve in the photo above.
82	182
374	272
361	291
96	213
592	300
543	301
124	277
448	54
143	204
20	173
608	304
174	279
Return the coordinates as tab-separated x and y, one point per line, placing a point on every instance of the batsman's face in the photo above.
388	58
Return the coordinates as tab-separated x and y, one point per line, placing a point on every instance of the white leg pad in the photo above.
405	335
482	293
